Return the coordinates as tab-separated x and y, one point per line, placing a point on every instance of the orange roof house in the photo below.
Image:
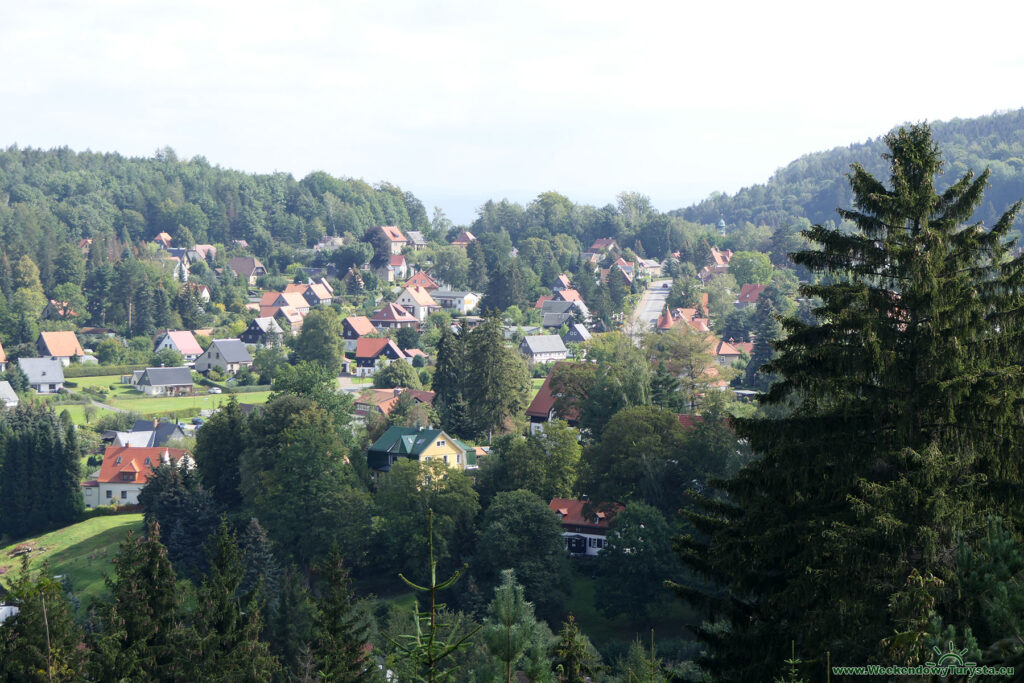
422	279
464	239
395	237
584	526
63	345
163	239
125	471
394	315
749	294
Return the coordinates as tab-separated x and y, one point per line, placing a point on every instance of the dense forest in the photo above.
815	185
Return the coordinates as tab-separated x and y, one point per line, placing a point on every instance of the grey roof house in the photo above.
225	355
45	375
577	334
262	332
7	395
543	347
165	381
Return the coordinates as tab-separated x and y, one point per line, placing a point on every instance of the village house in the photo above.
719	264
374	402
353	328
372	351
584	526
418	444
395	238
460	302
542	408
182	341
286	299
464	239
165	381
422	279
247	267
149	433
315	293
8	396
58	310
561	282
163	239
604	245
394	316
577	334
543	347
749	295
224	355
45	375
62	346
394	270
418	302
416	239
125	471
286	316
262	332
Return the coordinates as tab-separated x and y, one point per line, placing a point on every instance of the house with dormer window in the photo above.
125	471
584	525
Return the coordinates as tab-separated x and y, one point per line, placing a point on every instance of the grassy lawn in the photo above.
536	384
182	406
99	382
82	552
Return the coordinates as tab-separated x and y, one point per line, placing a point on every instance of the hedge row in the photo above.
79	370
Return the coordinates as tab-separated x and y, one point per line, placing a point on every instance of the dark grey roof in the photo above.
578	331
544	343
42	370
166	377
556	306
232	350
159	434
556	319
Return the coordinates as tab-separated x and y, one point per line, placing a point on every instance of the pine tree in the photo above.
496	380
575	658
41	642
340	631
224	642
898	426
767	331
139	624
510	626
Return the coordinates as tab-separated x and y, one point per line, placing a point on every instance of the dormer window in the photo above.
118	460
148	461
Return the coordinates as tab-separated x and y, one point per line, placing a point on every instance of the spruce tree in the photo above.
341	632
139	630
899	426
218	452
510	625
496	378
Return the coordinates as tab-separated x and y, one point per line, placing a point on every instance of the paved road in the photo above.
650	306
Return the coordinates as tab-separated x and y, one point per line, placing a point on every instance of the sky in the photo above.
462	101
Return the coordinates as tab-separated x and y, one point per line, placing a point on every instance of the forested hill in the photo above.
50	197
814	185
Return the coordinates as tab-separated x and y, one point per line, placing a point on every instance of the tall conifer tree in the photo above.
900	427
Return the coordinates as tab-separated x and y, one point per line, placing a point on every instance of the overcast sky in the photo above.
461	101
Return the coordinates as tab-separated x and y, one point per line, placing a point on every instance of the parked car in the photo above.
216	390
197	421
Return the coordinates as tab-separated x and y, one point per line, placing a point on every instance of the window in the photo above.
458	458
118	461
124	495
110	494
148	461
446	460
441	442
127	476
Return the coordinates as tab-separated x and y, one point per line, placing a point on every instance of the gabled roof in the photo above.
42	370
152	433
422	279
603	243
407	440
387	399
393	233
62	344
562	281
726	349
184	341
372	347
580	331
544	343
572	512
137	461
396	260
544	401
166	377
464	238
394	313
7	394
690	421
268	325
749	294
232	350
360	324
568	295
543	299
244	265
420	296
416	237
163	238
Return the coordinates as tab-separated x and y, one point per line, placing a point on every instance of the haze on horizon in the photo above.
460	102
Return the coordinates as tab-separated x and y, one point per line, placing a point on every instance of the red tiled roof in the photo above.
571	512
371	347
542	299
422	279
602	243
726	349
396	260
420	296
464	238
690	421
542	403
569	295
62	344
394	313
666	321
749	294
360	324
119	459
393	233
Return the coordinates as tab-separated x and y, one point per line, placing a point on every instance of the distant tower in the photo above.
721	227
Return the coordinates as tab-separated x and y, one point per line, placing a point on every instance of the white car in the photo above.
216	390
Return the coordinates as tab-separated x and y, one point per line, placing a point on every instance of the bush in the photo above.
72	385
